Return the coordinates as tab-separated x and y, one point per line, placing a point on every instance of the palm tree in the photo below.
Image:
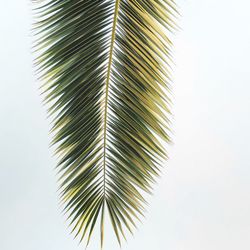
105	65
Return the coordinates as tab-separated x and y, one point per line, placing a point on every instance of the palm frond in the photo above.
105	64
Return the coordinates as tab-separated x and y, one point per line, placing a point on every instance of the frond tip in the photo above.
105	67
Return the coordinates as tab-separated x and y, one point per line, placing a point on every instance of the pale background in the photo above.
202	201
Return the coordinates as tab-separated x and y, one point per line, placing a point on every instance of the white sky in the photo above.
202	201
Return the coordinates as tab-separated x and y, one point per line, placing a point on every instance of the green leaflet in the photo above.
105	68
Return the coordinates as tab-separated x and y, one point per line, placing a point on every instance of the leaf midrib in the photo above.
107	91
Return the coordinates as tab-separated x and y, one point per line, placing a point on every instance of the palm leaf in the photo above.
105	67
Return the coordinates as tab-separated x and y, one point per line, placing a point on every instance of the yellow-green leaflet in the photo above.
105	70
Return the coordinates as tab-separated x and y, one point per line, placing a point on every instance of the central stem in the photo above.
107	91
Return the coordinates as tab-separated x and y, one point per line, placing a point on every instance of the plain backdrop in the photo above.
201	201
